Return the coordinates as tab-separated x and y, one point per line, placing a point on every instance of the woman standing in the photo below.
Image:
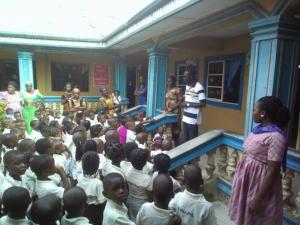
12	97
106	102
30	98
257	191
173	100
66	97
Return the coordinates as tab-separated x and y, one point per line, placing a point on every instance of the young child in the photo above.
43	166
93	187
35	133
141	139
15	166
9	142
115	190
114	152
139	182
15	201
158	212
46	210
27	146
162	163
113	123
128	148
20	133
18	116
9	114
102	120
190	204
131	135
164	147
7	124
74	204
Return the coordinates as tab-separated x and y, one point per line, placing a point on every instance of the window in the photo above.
9	71
76	73
180	67
224	80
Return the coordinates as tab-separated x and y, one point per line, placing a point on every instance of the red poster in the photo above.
101	72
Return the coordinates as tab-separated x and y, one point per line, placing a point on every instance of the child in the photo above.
158	212
27	146
15	165
96	131
74	204
61	155
115	212
44	146
190	204
139	182
128	148
35	133
113	123
43	166
114	152
15	201
162	163
7	124
93	187
9	114
131	136
141	139
122	131
46	210
102	120
160	133
164	147
18	116
20	134
9	142
91	117
117	101
111	136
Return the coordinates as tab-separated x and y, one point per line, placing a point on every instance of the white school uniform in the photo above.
150	214
93	188
142	146
126	165
115	214
110	168
45	187
6	220
193	209
35	135
68	142
130	136
176	184
75	221
60	160
9	181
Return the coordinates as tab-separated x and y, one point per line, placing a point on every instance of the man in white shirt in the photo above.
194	100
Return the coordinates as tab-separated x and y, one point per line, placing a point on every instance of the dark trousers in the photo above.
95	213
190	131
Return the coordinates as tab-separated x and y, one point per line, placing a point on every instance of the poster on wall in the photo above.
101	74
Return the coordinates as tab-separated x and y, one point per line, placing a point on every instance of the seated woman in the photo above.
106	102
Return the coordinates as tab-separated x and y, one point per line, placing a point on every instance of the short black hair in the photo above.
162	162
94	130
35	123
86	124
74	200
114	151
10	155
46	210
108	179
193	176
16	199
26	145
90	163
40	163
162	188
90	146
9	140
128	147
138	158
42	145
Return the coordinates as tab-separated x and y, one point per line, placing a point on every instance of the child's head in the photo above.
35	125
162	190
138	158
193	178
60	148
116	93
8	123
90	163
68	87
9	111
128	147
162	163
114	151
18	116
43	166
113	122
46	210
142	137
90	145
91	114
15	163
101	117
139	128
44	146
96	131
112	136
38	114
115	188
27	146
128	118
18	132
79	139
15	201
9	140
160	130
21	125
86	124
130	125
166	145
74	202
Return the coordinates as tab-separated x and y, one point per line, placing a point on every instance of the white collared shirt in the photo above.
45	187
6	220
35	135
75	221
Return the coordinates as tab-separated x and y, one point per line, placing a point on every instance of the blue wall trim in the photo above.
240	56
124	101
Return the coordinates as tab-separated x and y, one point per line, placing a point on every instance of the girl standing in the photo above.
257	191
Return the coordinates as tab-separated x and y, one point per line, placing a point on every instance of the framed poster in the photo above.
101	74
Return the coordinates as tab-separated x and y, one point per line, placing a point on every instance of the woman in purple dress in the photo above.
257	190
12	97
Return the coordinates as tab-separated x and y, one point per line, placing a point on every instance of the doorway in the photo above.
130	84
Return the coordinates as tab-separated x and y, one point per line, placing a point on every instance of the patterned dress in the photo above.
250	173
13	100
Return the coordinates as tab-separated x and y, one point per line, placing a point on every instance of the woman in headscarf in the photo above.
30	100
106	102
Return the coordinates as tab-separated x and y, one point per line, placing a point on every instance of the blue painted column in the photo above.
120	76
157	79
25	68
273	62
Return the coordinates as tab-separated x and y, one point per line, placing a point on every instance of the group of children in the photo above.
87	168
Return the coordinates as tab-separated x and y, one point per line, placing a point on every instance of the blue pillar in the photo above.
25	69
273	62
157	79
120	76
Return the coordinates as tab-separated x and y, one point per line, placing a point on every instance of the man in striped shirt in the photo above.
194	100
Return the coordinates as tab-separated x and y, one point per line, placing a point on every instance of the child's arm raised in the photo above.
64	178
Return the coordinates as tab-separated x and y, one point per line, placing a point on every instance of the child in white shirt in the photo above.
114	152
190	204
74	202
92	186
158	212
139	182
43	166
115	212
141	139
130	136
35	133
16	201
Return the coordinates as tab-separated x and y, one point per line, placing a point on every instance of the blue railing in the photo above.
124	101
